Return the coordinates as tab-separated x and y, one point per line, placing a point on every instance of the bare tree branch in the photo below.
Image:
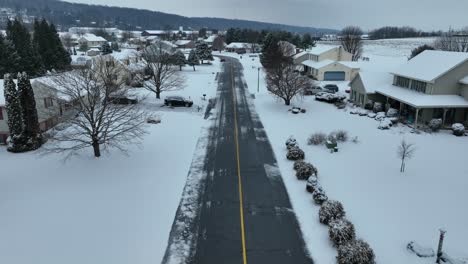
405	151
351	41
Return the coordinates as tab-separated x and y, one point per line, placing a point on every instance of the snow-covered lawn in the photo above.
388	208
116	209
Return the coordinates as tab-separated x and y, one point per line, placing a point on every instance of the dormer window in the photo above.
418	86
402	82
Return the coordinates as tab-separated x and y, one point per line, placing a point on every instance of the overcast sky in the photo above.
369	14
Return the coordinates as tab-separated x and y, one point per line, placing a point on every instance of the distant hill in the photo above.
68	14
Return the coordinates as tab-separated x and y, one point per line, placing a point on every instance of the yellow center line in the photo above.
236	133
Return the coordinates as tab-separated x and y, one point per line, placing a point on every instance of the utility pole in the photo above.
441	242
258	81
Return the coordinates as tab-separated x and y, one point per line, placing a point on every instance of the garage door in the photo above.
334	76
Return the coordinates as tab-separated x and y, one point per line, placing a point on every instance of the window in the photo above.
1	113
402	82
48	102
418	86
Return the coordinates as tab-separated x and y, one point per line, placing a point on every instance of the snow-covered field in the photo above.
116	209
388	208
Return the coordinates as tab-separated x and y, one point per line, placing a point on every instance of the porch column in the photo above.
416	118
444	117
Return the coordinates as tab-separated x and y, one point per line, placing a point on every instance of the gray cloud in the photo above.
369	14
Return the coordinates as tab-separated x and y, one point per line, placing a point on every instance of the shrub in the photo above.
369	105
295	153
291	142
378	107
298	164
305	170
458	129
341	135
380	116
332	138
341	231
392	112
435	124
317	139
355	252
385	124
319	195
312	184
331	210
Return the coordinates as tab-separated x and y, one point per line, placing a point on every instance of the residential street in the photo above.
272	233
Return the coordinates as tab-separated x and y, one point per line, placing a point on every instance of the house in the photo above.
91	40
327	63
364	85
434	84
185	44
238	47
93	52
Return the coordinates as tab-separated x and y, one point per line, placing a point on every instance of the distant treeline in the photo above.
254	36
400	32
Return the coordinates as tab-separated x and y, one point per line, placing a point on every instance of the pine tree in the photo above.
31	135
203	51
63	56
115	46
9	61
307	41
106	49
178	59
13	109
272	56
193	59
29	59
53	53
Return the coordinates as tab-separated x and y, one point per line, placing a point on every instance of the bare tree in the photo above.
453	41
96	118
285	82
218	44
405	152
67	41
351	41
165	76
126	36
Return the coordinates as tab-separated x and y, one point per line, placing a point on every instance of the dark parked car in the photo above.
333	88
178	101
122	100
223	60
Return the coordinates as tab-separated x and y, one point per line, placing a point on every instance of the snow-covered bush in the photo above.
378	107
291	142
331	210
295	153
319	195
340	135
369	105
355	252
330	98
298	164
392	112
385	124
380	116
354	111
317	139
305	170
312	184
458	129
363	112
371	115
435	124
341	231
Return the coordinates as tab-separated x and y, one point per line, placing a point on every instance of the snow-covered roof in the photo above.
211	39
237	45
374	80
464	80
320	49
182	42
324	63
431	64
422	100
300	54
93	38
350	64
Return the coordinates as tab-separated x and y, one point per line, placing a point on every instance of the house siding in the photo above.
4	131
349	72
449	82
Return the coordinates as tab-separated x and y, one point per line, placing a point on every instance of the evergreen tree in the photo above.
13	109
307	41
272	56
9	61
31	135
63	56
106	49
193	59
74	51
203	51
115	46
178	59
29	59
50	47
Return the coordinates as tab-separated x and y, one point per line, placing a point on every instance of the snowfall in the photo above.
120	208
389	209
117	209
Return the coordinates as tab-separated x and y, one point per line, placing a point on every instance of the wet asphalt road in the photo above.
272	233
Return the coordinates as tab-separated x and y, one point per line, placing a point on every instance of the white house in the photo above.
434	84
91	40
327	63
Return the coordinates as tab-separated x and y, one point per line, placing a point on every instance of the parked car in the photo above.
332	88
178	101
122	100
312	90
222	60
